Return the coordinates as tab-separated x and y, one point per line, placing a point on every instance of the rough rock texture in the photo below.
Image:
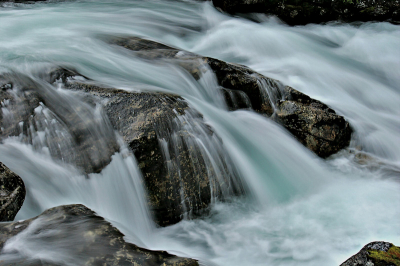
178	178
74	134
375	254
12	193
78	233
300	12
313	123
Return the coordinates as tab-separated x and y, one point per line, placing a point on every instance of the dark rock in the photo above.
73	132
12	193
375	254
60	74
162	131
313	123
258	88
300	12
77	232
236	100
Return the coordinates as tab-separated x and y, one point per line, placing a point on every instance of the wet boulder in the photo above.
295	12
12	193
375	254
75	235
183	162
313	123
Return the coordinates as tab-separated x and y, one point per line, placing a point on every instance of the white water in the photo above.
302	210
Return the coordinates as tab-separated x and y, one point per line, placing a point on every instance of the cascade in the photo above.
272	201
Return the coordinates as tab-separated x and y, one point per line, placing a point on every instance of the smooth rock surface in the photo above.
78	231
12	193
375	254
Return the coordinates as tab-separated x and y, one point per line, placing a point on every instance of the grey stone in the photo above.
12	193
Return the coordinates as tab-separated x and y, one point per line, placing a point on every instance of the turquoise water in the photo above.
300	210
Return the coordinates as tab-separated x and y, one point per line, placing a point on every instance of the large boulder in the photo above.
75	235
313	123
183	162
69	129
375	254
300	12
12	193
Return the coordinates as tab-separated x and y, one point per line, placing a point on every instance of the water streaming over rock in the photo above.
186	134
300	209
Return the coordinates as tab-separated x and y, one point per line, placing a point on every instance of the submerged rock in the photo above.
12	193
75	235
295	12
69	129
313	123
375	254
183	162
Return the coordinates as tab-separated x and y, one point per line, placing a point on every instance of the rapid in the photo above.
299	209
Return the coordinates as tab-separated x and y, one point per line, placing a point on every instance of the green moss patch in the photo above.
392	256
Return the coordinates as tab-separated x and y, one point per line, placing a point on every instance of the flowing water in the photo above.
300	209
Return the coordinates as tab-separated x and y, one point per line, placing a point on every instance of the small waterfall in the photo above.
115	192
59	145
190	147
236	99
306	212
272	91
55	122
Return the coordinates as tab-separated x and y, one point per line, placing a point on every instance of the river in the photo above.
301	209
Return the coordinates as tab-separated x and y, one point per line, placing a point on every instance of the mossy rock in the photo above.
376	254
389	257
